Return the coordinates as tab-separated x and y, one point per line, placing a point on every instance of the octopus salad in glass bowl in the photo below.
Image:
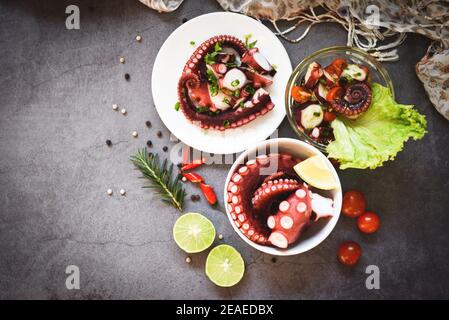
341	100
340	87
224	83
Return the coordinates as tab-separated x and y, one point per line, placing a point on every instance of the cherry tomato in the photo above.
334	93
300	95
339	64
329	116
349	253
354	204
369	222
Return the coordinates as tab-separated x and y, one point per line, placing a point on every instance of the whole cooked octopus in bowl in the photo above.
272	207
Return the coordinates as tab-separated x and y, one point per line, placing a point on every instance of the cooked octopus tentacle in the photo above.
193	90
356	100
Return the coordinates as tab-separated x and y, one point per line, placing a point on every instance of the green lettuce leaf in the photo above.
377	135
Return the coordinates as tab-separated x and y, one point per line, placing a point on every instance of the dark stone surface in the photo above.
57	88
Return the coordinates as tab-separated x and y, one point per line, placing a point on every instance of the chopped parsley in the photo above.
213	87
249	45
250	89
226	123
210	57
235	83
177	106
237	93
317	114
322	81
231	65
226	100
241	104
202	109
192	43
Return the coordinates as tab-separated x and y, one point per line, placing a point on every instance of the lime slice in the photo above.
315	172
193	232
224	266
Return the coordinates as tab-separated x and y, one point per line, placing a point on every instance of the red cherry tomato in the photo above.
369	222
339	64
329	116
300	94
349	253
334	93
354	204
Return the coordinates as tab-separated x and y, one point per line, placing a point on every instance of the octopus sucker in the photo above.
222	84
273	208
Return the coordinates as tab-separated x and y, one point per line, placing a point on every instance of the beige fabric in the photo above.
434	73
162	5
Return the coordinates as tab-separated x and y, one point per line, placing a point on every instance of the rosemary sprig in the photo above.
161	180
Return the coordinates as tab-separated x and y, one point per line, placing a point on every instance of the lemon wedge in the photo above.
315	172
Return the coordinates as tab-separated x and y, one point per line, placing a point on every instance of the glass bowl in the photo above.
324	57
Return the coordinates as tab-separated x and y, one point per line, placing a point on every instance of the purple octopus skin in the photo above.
192	88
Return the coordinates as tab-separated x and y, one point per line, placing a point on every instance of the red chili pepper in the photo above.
192	165
209	193
193	177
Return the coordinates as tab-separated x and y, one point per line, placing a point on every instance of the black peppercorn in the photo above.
109	142
165	148
184	20
274	259
159	134
148	124
149	143
127	76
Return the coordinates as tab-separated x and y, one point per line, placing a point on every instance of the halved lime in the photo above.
225	266
315	172
193	232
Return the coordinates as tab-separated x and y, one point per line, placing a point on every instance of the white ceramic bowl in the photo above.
318	231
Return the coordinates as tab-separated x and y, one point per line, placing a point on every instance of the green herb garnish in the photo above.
213	87
177	106
250	89
322	81
210	57
235	83
192	43
231	65
226	123
237	93
317	114
249	45
226	100
202	109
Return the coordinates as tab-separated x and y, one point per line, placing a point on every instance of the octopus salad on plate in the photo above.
341	88
224	83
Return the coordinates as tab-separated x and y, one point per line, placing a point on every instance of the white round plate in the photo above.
171	59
